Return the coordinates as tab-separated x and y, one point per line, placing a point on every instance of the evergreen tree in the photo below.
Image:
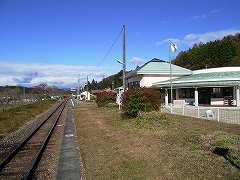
218	53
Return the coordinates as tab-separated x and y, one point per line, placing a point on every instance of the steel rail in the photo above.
29	174
10	156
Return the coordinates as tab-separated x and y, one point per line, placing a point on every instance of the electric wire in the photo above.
110	48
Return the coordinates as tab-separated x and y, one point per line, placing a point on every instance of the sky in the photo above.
60	41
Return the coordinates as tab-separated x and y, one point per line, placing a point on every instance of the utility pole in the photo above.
24	96
87	83
124	58
78	90
112	85
88	95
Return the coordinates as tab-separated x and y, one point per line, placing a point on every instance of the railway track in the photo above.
22	161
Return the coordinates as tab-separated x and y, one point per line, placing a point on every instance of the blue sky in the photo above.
37	37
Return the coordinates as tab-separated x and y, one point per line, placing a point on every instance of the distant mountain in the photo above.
218	53
18	91
16	88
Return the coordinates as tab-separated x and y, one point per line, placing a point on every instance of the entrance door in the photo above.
204	96
173	95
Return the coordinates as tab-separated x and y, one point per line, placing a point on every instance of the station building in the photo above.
205	87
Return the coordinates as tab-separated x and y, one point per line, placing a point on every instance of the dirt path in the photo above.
112	149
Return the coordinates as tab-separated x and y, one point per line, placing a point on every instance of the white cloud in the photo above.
53	74
137	60
206	15
214	11
195	38
202	16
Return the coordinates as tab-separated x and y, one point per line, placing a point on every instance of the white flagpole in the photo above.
170	61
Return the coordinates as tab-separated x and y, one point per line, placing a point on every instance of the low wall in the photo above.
217	101
221	114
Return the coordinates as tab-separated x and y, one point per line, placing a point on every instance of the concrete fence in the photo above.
229	115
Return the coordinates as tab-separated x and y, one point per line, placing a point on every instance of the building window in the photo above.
186	93
134	84
217	93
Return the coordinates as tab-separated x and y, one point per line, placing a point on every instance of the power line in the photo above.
111	47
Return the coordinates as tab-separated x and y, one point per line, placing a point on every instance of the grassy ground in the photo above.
13	118
177	148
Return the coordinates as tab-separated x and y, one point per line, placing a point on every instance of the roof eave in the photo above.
173	73
201	84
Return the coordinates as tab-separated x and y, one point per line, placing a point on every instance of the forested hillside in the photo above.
219	53
112	81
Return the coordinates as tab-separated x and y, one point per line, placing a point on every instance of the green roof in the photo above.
204	79
161	67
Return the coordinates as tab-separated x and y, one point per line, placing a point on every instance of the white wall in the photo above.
217	101
147	81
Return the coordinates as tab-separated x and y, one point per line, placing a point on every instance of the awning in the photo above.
213	79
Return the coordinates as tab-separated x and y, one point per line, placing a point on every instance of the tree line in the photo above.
218	53
112	82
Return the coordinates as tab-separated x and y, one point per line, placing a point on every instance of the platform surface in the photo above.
69	166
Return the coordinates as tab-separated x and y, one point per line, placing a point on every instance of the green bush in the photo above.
141	99
105	98
133	102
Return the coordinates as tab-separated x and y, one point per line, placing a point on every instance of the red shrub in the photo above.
104	98
141	99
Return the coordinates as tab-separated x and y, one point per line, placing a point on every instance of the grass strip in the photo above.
12	119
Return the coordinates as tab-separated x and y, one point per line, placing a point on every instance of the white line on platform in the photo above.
72	103
68	135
